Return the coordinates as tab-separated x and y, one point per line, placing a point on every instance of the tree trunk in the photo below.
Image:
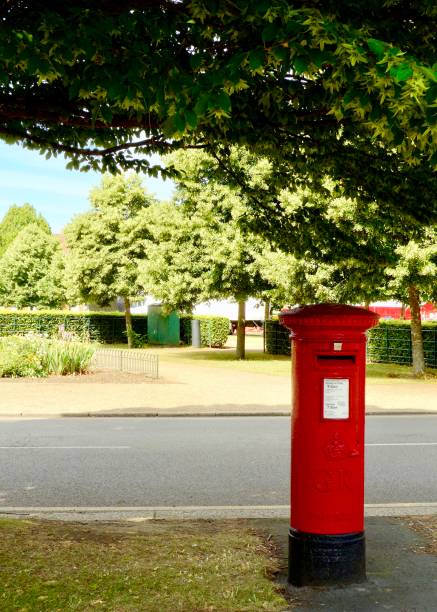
402	315
128	318
266	318
416	332
267	310
367	304
241	330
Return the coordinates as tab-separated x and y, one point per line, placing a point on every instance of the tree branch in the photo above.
55	118
154	142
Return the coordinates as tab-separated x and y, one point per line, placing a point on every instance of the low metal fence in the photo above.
136	361
276	338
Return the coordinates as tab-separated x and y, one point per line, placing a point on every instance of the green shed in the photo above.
162	328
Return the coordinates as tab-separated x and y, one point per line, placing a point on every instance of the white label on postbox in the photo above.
335	398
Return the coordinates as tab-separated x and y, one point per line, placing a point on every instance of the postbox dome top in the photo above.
336	316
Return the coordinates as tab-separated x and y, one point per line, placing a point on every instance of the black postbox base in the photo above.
318	560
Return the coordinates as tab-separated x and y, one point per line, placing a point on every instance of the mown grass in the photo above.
203	566
258	362
395	371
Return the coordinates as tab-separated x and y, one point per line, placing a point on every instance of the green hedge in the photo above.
214	330
390	342
104	327
277	338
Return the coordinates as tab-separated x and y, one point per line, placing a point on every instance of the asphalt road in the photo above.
194	461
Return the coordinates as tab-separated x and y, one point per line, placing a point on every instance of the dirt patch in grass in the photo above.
426	526
151	566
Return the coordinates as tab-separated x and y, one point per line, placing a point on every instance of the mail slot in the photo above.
333	358
326	539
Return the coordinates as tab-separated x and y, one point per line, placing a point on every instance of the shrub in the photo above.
138	340
20	357
104	327
214	330
390	342
36	356
67	357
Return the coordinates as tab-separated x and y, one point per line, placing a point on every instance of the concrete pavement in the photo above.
187	389
401	574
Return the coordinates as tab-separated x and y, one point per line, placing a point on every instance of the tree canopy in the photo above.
307	81
332	248
198	251
107	242
15	219
32	269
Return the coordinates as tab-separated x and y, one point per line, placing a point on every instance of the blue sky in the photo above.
56	193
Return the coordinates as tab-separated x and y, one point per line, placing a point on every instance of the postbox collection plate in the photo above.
335	398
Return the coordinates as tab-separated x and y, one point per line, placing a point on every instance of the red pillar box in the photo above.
326	540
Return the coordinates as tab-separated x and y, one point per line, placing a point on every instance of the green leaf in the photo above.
106	114
431	74
393	51
431	94
179	122
195	61
364	99
224	101
375	114
262	6
216	77
320	57
236	61
350	95
401	72
256	59
191	119
398	137
300	65
376	46
281	53
201	105
270	32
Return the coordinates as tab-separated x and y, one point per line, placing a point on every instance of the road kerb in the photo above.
168	414
139	513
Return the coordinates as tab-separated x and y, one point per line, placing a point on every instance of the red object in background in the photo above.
327	466
428	312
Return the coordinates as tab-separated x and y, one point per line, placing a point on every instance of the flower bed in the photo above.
33	355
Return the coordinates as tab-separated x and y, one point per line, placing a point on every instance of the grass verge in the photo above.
257	362
395	371
151	566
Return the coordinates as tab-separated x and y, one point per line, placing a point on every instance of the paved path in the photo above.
401	572
188	389
181	388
